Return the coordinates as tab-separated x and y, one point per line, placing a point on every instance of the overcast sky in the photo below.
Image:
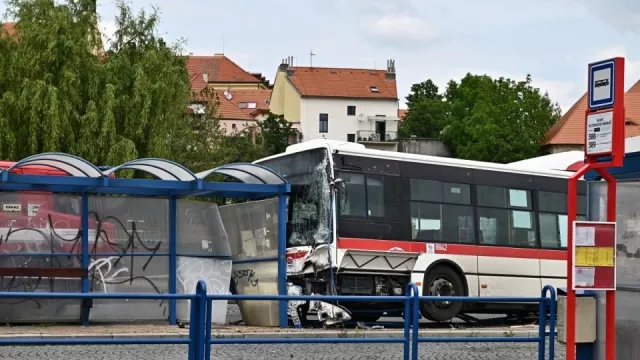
553	40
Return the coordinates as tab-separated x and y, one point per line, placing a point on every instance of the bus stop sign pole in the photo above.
603	148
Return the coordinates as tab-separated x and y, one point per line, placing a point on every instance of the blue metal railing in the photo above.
200	338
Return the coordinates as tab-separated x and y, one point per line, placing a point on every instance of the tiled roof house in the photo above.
243	97
357	105
568	133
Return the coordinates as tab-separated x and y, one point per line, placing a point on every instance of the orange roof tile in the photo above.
219	69
346	83
569	130
228	110
259	97
10	28
402	113
197	82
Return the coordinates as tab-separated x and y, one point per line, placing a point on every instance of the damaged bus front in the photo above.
312	253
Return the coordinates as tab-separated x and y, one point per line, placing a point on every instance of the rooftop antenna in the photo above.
311	55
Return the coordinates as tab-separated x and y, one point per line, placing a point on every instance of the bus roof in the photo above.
32	169
349	148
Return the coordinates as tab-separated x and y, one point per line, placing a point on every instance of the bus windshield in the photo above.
309	201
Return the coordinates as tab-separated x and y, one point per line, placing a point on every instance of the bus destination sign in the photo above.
594	255
604	118
599	133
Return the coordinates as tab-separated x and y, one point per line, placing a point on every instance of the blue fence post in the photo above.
207	330
84	225
201	300
173	246
415	321
552	321
408	317
542	324
282	258
193	331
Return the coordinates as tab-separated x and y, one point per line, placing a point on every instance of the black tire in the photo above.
441	281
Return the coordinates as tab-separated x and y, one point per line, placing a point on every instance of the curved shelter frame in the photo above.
171	180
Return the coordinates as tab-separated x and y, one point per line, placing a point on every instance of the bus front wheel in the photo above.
441	281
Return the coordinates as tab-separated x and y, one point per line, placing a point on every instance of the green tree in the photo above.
275	132
481	118
426	113
499	120
61	92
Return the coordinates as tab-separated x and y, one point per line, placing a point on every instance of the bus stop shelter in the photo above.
91	185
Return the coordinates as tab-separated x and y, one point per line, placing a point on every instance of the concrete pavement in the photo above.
473	351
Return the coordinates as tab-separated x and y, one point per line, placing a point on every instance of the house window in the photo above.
242	105
324	123
251	105
351	110
351	137
374	89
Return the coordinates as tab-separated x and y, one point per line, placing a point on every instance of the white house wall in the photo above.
340	124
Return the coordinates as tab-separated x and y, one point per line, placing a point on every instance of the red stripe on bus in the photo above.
452	249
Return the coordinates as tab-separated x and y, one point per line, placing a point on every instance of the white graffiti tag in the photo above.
104	270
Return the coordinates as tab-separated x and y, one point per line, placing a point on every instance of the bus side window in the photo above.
554	227
375	196
505	216
352	196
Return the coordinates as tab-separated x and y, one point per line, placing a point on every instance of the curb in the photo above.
508	333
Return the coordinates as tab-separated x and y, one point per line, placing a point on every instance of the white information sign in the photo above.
585	276
585	236
602	84
599	133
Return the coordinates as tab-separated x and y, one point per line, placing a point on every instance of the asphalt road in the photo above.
476	351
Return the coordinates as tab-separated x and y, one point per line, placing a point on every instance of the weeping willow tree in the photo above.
62	92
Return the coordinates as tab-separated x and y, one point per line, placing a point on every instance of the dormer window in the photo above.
374	89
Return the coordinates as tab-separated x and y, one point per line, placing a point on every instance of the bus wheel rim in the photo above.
441	286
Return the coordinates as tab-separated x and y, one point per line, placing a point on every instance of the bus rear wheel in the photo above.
441	281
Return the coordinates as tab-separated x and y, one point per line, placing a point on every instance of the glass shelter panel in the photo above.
203	254
130	254
39	231
252	230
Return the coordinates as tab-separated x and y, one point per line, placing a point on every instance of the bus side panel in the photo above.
509	271
467	263
553	268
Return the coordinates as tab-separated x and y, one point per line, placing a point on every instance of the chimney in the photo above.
390	75
284	64
205	77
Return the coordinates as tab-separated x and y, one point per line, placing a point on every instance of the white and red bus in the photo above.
367	222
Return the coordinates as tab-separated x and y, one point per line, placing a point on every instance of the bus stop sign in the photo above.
594	255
